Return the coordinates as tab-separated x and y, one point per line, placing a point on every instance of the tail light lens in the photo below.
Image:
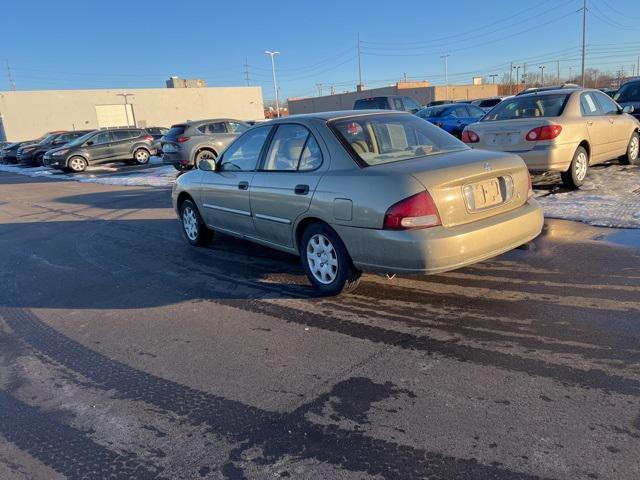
416	211
183	139
148	138
469	136
547	132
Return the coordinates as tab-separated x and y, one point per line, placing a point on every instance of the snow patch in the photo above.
156	177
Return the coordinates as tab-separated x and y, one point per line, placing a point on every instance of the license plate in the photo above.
168	148
483	194
506	138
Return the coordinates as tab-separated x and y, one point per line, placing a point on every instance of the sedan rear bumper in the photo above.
439	249
546	158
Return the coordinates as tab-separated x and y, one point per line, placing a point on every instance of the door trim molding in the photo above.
284	221
227	210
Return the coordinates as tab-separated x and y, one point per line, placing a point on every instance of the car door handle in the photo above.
243	186
301	189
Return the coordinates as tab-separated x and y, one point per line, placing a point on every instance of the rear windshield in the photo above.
629	92
528	106
175	131
380	139
379	103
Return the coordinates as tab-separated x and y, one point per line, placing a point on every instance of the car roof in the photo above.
333	115
208	120
554	91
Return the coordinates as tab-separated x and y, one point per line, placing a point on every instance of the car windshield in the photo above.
49	138
528	106
628	93
431	112
80	140
380	139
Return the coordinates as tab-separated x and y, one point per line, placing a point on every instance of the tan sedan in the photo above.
361	191
564	130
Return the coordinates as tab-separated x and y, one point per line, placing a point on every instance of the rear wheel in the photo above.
141	156
575	176
326	261
77	164
633	149
193	227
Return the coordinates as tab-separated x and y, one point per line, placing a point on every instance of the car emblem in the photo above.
487	166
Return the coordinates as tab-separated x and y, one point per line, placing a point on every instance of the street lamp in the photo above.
126	109
517	67
275	85
542	67
446	73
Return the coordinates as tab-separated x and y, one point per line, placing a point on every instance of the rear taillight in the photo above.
469	136
416	211
148	138
183	139
547	132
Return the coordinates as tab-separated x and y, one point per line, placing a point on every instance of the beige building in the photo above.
28	114
422	92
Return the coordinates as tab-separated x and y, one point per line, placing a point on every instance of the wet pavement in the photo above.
125	353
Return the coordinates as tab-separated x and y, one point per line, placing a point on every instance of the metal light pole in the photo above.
446	73
126	109
584	37
517	67
275	84
542	67
493	77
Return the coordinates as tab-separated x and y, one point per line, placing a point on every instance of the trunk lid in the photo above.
508	135
469	185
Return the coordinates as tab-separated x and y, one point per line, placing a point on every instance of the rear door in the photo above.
122	143
598	126
225	192
282	189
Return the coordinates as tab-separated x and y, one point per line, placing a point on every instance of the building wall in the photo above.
28	114
422	94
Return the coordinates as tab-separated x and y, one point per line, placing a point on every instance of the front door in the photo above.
282	189
100	146
225	192
620	135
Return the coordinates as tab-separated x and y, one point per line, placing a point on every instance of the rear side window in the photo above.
410	104
217	127
235	127
176	131
379	103
397	104
528	106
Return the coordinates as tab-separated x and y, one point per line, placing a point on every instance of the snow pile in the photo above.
610	197
30	172
154	177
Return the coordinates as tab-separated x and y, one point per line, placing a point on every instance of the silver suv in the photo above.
186	144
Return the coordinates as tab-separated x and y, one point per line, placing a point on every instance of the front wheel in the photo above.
574	177
633	149
141	156
193	227
326	261
77	164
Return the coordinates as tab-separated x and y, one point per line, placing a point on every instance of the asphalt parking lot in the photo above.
124	353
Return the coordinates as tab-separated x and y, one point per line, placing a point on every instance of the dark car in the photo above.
388	102
629	95
452	117
158	134
129	145
32	154
10	152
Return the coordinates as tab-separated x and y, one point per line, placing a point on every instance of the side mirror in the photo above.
628	109
207	165
89	143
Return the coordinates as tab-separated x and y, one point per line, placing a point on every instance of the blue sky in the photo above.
140	43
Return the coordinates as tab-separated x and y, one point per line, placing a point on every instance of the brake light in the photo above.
416	211
469	136
183	139
547	132
148	138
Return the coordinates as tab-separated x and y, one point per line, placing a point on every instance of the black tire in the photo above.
77	164
345	276
39	160
633	149
203	155
578	170
199	235
182	168
141	156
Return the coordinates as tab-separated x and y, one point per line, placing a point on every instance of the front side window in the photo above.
609	107
528	106
380	139
588	105
243	154
475	112
102	138
459	112
629	92
411	105
293	148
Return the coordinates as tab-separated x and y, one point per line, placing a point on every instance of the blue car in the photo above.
452	117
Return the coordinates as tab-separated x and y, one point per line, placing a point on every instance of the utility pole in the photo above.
517	67
360	85
12	82
542	67
493	77
275	84
319	87
584	37
246	71
524	74
570	72
558	64
638	64
405	77
446	73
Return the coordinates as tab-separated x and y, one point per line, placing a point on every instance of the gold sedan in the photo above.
563	130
